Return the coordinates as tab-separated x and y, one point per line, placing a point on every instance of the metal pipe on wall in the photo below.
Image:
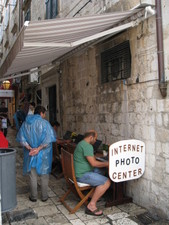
160	49
82	7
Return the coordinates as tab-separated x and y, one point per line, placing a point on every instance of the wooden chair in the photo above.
69	148
73	186
57	160
57	157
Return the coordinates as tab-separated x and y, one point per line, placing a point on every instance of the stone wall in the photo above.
72	8
9	36
38	10
125	109
121	109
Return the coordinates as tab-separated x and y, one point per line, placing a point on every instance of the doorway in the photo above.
52	104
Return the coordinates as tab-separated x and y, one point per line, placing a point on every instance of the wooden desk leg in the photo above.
116	195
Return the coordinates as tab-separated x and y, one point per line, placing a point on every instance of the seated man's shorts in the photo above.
94	178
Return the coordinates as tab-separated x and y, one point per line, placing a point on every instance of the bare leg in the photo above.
99	191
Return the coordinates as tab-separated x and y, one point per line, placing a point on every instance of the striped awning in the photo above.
41	42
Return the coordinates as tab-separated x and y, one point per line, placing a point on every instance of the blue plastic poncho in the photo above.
36	131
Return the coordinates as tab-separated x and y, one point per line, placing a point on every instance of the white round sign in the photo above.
126	160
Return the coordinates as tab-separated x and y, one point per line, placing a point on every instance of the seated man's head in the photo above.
55	125
90	136
40	110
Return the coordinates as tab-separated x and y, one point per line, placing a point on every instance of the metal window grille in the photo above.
116	63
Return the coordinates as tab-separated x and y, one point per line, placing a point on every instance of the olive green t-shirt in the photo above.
81	164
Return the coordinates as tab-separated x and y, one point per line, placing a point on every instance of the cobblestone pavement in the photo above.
54	213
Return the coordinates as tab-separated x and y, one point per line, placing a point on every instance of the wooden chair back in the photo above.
70	147
67	165
73	186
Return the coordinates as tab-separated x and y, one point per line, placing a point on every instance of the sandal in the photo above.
93	213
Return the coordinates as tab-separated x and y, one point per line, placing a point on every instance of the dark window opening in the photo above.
52	104
39	97
51	9
28	15
116	63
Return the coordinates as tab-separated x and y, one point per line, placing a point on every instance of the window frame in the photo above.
51	12
27	16
116	63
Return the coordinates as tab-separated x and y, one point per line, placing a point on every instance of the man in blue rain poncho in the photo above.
37	135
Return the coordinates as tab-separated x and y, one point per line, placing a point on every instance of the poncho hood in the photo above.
31	118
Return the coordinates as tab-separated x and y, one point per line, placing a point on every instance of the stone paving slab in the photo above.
21	215
124	221
38	221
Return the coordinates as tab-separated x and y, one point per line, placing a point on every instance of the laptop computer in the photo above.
103	158
96	145
79	138
67	135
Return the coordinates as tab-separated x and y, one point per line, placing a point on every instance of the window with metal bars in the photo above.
116	63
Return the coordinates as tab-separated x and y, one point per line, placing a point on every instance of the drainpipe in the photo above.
160	49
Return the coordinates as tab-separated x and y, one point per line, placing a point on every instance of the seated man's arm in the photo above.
95	163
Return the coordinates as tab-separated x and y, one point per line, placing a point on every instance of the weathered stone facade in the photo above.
76	8
120	110
10	26
38	10
125	109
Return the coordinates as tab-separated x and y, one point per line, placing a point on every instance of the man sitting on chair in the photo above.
90	171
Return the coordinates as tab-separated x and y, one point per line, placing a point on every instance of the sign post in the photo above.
126	160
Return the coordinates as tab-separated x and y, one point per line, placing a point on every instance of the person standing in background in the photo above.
4	118
55	126
31	108
36	135
19	117
56	165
